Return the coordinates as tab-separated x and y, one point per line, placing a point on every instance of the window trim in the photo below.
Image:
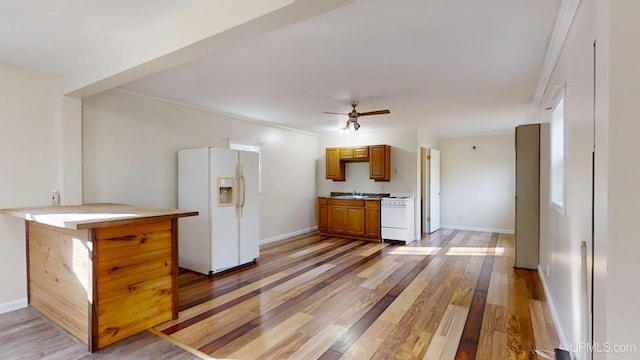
558	98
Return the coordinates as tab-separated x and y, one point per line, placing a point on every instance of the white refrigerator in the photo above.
222	185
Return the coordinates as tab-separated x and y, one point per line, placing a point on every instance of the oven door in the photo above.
393	216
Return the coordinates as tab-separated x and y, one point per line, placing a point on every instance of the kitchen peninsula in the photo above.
102	272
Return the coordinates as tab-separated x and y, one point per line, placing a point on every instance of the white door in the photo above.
425	189
434	190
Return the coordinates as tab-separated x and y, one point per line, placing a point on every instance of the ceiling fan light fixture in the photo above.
354	115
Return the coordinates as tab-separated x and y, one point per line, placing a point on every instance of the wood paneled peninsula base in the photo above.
102	272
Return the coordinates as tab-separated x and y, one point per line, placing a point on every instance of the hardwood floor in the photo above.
452	295
26	334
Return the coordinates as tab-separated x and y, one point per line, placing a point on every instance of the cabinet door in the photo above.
355	221
346	152
372	219
334	167
338	219
379	162
361	152
323	215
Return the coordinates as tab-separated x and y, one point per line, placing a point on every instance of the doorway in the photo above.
430	189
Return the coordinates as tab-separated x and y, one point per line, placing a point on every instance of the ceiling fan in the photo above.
354	115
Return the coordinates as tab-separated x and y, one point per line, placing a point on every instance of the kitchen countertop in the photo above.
94	215
351	196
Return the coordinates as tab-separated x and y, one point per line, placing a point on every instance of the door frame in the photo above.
424	186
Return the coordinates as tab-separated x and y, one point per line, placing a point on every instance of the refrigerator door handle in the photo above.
244	191
241	200
238	200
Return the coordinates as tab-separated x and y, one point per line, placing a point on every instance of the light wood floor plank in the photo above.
271	338
371	341
383	272
445	341
544	331
318	344
205	306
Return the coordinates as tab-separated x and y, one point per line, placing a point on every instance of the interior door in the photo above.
434	190
424	185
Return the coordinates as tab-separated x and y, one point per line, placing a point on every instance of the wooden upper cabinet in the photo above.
378	157
355	153
361	152
334	167
346	152
380	162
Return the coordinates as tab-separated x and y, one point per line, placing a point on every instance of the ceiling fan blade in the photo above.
377	112
333	113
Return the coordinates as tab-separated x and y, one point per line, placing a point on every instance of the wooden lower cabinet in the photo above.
355	221
372	219
355	218
338	219
323	215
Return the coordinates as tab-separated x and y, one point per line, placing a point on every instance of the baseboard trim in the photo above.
552	309
13	305
285	236
474	228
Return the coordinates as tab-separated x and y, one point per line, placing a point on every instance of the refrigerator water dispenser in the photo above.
225	191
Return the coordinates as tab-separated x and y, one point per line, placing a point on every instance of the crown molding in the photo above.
566	14
125	92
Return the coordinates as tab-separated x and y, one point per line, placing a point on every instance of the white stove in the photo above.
397	217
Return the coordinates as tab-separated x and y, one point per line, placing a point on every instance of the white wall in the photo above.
478	186
561	234
601	207
29	105
404	164
130	156
617	140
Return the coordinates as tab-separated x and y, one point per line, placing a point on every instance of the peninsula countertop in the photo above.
90	216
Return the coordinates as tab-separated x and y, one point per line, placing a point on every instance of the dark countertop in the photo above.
356	196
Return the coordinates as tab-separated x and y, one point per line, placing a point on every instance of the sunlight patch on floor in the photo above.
415	250
475	251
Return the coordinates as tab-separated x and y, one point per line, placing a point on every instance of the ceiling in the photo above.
453	67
